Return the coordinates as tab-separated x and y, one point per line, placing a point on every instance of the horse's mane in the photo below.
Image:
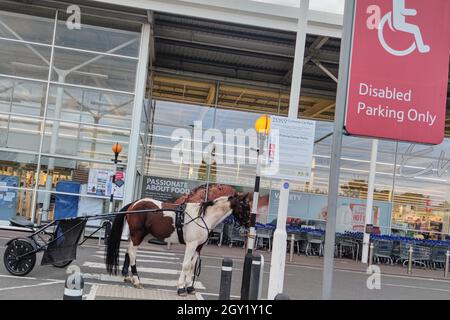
204	206
214	191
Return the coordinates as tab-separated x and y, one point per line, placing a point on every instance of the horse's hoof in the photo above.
182	292
127	279
190	290
138	285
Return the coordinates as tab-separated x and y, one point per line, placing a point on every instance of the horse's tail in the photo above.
113	245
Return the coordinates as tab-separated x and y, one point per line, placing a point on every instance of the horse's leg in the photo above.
187	262
190	276
132	251
126	266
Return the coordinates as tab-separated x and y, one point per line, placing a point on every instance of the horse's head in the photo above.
240	204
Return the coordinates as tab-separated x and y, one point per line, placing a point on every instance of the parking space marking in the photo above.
216	295
143	260
414	287
92	292
33	285
97	265
144	281
364	272
123	250
199	296
145	255
17	277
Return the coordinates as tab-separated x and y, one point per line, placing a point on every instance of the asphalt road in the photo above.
159	270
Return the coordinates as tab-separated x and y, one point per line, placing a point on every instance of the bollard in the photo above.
255	276
409	271
447	261
370	254
225	279
74	285
261	277
281	296
291	253
246	274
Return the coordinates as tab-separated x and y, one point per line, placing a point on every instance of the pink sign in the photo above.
399	70
119	175
359	216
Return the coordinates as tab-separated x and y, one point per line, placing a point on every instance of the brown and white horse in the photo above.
199	220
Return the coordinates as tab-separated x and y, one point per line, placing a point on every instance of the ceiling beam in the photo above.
211	95
318	108
314	48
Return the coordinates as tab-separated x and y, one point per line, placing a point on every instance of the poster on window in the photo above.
167	189
100	183
358	216
118	186
8	196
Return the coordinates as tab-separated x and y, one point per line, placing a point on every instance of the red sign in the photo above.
399	70
119	175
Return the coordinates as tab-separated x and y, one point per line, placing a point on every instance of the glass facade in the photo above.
66	96
412	191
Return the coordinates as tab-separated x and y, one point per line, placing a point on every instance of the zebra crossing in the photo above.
158	271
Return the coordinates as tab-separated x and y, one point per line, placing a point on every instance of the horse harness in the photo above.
179	221
180	212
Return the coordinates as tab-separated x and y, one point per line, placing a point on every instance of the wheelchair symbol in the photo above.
396	20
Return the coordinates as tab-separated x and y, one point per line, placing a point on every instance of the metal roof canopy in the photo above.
228	40
244	12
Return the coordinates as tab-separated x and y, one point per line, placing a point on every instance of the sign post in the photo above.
392	83
290	153
335	162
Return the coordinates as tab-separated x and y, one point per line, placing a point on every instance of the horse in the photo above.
210	191
162	221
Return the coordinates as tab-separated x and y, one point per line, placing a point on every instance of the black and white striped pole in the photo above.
74	285
225	279
262	126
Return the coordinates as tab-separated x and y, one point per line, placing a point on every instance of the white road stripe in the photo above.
18	277
92	292
216	295
32	285
148	281
152	252
199	296
146	255
140	269
414	287
385	275
145	260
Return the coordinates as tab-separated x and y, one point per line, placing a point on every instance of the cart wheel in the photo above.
22	266
62	264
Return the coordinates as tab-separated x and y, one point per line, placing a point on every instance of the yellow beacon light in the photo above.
262	125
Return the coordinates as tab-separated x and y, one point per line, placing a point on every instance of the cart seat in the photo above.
21	222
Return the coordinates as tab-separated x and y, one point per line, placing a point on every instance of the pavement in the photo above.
159	268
